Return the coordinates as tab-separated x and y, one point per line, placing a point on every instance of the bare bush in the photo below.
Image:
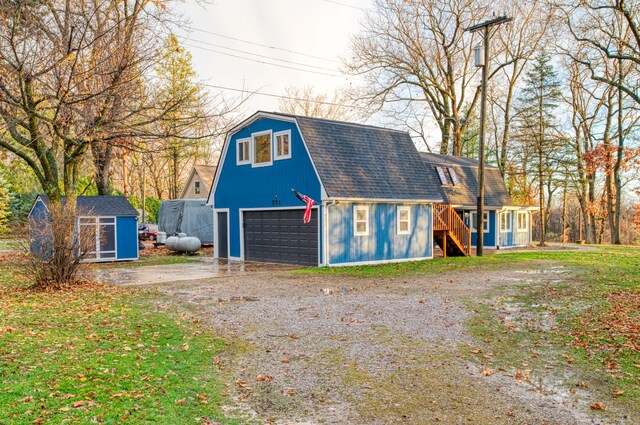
57	247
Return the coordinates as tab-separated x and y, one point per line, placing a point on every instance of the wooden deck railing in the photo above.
445	218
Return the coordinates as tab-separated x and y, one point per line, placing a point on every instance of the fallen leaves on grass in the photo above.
487	372
614	328
597	406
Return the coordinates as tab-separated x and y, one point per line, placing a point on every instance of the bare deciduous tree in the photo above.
418	51
305	101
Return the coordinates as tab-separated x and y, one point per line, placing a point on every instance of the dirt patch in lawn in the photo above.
325	349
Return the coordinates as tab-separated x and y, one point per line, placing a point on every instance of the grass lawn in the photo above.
10	244
101	354
595	315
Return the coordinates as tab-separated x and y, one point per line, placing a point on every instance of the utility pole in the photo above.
486	28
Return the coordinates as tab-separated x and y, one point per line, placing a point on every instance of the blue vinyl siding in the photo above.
127	238
490	236
383	242
244	186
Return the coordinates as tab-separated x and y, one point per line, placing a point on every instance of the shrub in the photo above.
57	247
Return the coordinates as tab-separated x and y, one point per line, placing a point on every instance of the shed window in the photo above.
404	220
283	144
522	222
474	222
361	220
505	223
244	151
196	188
262	149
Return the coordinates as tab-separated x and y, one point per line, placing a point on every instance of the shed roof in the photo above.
466	192
358	161
101	205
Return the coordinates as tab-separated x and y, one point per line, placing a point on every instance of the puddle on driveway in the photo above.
202	269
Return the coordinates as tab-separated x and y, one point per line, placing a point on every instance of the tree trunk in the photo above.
102	154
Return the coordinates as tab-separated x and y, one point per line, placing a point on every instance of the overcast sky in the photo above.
319	31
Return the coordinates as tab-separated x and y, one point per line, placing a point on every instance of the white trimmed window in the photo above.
474	222
262	149
283	145
523	221
361	220
505	223
404	220
244	151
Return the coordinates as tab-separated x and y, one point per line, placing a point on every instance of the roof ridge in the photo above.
339	122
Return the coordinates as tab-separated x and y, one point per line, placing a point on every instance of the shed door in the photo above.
281	236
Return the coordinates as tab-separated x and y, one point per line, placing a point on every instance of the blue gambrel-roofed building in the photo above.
374	196
110	220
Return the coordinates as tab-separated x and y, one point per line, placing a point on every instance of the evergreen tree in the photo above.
537	127
184	122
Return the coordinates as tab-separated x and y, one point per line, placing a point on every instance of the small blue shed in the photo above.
371	203
112	219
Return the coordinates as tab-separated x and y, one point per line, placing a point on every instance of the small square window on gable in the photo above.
244	151
283	145
262	149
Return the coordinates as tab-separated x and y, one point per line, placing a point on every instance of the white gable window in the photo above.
505	223
262	148
404	220
361	220
196	188
283	144
244	151
522	221
474	222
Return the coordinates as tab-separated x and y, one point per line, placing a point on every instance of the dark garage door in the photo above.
280	236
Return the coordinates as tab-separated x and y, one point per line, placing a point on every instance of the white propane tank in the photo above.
162	237
188	244
172	242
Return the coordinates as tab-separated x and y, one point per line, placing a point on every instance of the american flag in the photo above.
308	205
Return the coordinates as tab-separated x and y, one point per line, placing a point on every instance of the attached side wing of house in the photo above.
504	224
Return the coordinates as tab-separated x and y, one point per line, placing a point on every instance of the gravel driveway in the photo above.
362	351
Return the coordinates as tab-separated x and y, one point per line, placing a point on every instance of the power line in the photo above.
261	56
343	4
265	45
265	63
279	96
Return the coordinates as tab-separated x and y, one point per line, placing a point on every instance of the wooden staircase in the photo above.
450	232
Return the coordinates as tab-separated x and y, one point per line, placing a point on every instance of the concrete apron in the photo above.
203	269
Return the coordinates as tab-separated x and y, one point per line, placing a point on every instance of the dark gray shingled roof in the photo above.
466	193
360	161
101	205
